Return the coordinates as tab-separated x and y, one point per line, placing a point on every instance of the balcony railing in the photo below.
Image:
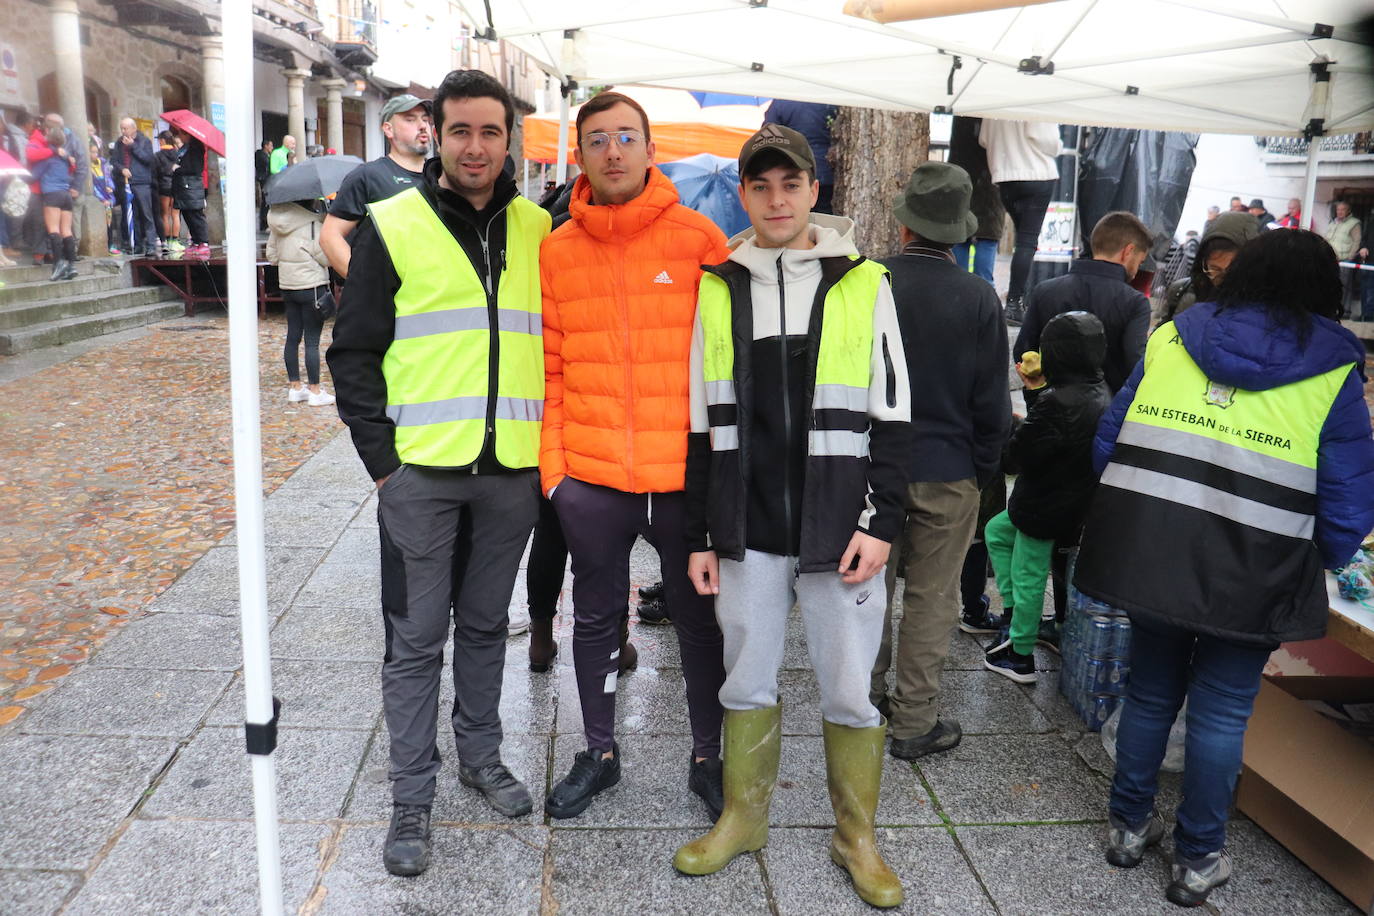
357	23
1361	144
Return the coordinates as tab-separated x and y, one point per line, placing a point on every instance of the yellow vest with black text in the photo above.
1225	477
441	391
836	479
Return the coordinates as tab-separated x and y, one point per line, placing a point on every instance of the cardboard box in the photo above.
1310	784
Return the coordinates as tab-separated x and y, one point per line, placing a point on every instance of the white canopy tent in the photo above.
1256	67
1236	66
1272	67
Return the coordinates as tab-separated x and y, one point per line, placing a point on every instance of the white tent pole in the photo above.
562	167
1309	189
241	241
1318	111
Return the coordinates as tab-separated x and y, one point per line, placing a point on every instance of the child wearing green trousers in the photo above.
1051	452
795	470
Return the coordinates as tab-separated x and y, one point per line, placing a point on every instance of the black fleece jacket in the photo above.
366	323
956	352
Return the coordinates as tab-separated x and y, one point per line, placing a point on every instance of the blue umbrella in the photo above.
710	185
707	99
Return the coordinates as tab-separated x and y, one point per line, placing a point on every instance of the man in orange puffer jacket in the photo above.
620	288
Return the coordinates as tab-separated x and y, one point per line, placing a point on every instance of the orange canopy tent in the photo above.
680	126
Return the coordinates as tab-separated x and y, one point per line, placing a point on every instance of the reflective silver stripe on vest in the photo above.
469	408
724	438
838	443
446	321
840	397
720	392
1232	457
528	409
1209	499
517	321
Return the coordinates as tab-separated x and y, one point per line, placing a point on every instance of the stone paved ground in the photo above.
118	477
126	786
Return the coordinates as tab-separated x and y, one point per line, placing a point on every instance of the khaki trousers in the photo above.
940	520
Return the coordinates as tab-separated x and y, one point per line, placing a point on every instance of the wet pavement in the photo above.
127	787
118	478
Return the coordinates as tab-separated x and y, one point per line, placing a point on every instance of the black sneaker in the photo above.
651	592
980	621
1194	879
945	735
705	779
502	790
1009	663
590	774
1048	635
406	851
654	613
1015	312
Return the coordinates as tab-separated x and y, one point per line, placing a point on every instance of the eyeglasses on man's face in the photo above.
599	142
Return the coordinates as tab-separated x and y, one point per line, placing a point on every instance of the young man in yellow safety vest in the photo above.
438	364
795	478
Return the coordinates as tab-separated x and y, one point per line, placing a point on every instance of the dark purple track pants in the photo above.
600	525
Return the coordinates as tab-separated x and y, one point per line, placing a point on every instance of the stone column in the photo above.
295	107
333	103
212	94
71	101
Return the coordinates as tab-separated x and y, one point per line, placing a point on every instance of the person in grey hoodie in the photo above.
794	484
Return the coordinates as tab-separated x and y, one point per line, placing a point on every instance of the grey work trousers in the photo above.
940	521
422	510
843	625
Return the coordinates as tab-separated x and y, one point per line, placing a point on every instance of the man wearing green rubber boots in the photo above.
794	483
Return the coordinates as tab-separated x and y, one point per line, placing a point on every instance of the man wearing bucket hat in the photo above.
407	126
794	478
956	350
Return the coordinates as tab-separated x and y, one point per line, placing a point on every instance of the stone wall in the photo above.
125	66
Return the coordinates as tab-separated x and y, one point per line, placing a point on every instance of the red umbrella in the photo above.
9	167
197	127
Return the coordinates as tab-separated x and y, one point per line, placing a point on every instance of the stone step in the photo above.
81	327
31	273
35	290
20	315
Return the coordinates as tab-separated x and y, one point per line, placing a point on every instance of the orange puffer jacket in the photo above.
620	295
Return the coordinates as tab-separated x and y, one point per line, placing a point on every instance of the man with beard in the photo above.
406	125
439	372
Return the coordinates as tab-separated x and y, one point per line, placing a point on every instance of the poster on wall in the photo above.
9	75
218	119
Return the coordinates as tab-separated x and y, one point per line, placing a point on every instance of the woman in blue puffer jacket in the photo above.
1236	466
52	170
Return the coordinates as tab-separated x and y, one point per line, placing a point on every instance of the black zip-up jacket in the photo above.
138	157
1098	287
769	495
1052	449
366	323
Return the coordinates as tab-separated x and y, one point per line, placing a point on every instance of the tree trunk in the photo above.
874	153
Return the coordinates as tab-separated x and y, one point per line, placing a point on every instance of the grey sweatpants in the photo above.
843	623
422	510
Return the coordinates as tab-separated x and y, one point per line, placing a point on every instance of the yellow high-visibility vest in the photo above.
438	369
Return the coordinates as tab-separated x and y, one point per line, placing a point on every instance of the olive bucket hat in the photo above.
935	204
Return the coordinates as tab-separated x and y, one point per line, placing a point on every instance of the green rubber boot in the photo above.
753	741
853	770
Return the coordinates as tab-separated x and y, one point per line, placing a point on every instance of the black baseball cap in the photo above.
783	139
